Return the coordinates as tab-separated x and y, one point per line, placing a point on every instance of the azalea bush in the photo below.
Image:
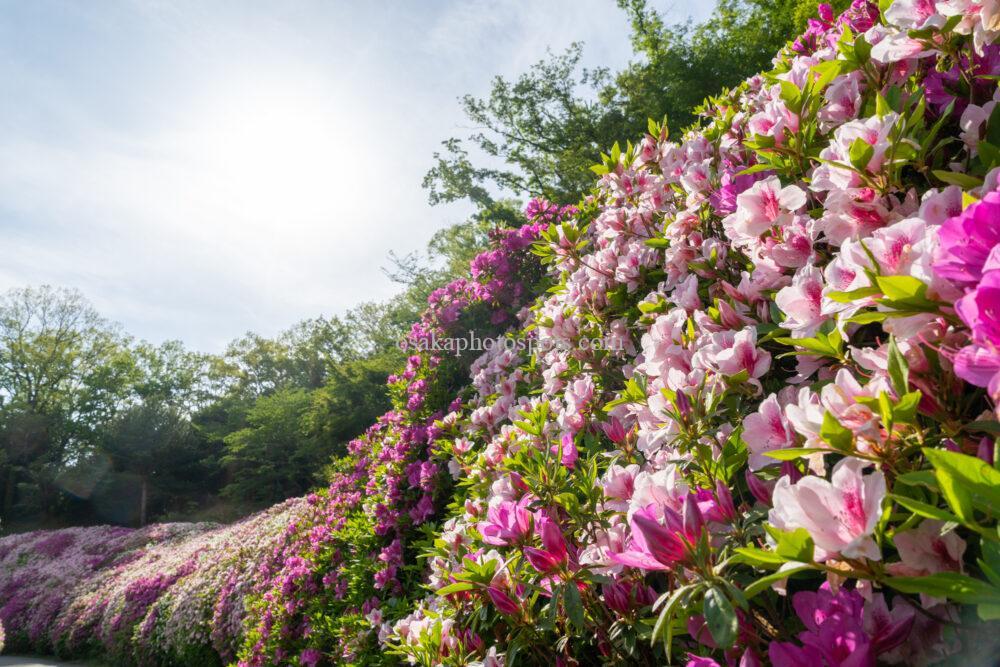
165	594
740	408
783	450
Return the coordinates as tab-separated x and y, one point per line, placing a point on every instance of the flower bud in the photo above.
502	601
986	450
760	490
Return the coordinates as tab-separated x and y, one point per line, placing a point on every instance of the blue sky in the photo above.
201	169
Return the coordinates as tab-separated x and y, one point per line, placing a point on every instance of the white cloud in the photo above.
200	170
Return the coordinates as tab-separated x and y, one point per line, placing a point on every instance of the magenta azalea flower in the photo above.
969	243
839	633
656	546
507	522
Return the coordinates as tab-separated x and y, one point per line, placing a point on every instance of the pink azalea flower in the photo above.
840	515
851	214
734	353
619	485
507	522
664	488
924	550
765	205
801	302
841	631
765	430
554	552
874	131
503	602
569	452
843	97
979	363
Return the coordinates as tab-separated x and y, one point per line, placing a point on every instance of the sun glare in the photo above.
276	151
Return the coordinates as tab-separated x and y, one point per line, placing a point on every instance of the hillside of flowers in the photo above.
738	407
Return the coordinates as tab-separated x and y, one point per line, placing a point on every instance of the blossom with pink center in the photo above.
665	487
735	353
765	205
873	131
842	100
903	248
851	214
801	302
773	120
795	248
766	430
840	515
924	550
618	484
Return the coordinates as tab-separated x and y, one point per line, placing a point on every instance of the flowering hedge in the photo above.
745	415
167	594
782	451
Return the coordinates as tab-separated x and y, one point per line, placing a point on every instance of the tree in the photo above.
154	443
542	131
63	370
276	456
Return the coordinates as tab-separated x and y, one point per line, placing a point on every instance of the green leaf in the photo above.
756	169
574	605
862	49
760	557
899	369
990	562
657	243
663	623
791	95
919	478
923	509
861	153
794	453
882	107
988	611
794	545
951	585
456	587
831	431
905	410
993	127
985	426
765	582
852	295
989	154
902	289
720	617
868	317
820	345
955	178
971	474
828	71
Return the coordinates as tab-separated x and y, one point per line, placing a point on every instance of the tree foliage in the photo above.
538	135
